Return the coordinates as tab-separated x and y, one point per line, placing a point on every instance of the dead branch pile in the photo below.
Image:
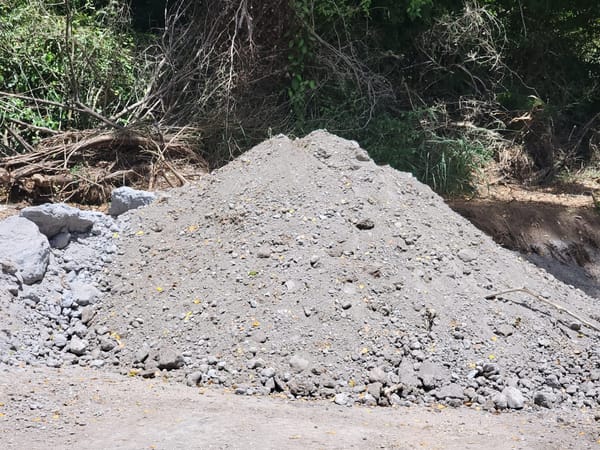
84	166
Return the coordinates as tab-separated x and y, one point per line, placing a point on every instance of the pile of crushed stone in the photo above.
303	268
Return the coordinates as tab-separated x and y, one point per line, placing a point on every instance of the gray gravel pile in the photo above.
51	261
302	268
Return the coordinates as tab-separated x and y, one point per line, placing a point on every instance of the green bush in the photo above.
94	63
410	142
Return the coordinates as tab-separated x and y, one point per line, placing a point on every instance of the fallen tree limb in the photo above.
547	302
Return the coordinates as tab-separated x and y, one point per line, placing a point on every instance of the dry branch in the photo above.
86	165
547	302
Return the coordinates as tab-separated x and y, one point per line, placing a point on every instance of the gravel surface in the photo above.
303	269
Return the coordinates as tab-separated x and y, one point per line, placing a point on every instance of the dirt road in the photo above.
86	409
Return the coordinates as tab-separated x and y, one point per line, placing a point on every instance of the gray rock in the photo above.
269	372
430	373
362	155
125	198
142	354
377	375
107	344
60	340
55	218
87	314
84	294
298	363
407	374
341	399
545	399
450	391
193	378
374	389
78	346
25	248
169	359
514	398
60	240
500	401
504	330
467	255
256	363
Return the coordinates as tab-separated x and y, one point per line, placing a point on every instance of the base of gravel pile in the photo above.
303	269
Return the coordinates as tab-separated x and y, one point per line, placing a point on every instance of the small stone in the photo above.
500	401
125	198
255	363
84	294
575	326
377	375
450	391
193	378
107	344
374	389
298	363
545	399
61	240
467	255
169	359
263	252
87	314
60	340
346	304
142	354
78	346
362	155
514	398
341	399
268	372
504	330
365	224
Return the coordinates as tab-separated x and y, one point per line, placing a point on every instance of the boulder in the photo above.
25	248
125	198
59	217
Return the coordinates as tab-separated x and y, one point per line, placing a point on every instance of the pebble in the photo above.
298	363
514	398
169	359
545	399
78	346
341	399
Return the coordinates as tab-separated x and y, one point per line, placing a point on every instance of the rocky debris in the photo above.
53	219
24	248
48	315
125	198
303	268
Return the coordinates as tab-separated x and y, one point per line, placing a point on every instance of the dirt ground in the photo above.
85	409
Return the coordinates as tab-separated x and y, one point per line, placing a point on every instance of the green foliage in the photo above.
94	63
446	163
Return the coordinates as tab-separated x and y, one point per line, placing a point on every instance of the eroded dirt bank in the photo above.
560	233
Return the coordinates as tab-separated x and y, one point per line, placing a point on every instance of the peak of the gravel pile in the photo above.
303	268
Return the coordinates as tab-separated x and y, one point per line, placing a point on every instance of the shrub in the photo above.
78	54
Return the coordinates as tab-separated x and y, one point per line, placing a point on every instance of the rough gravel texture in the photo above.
304	269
